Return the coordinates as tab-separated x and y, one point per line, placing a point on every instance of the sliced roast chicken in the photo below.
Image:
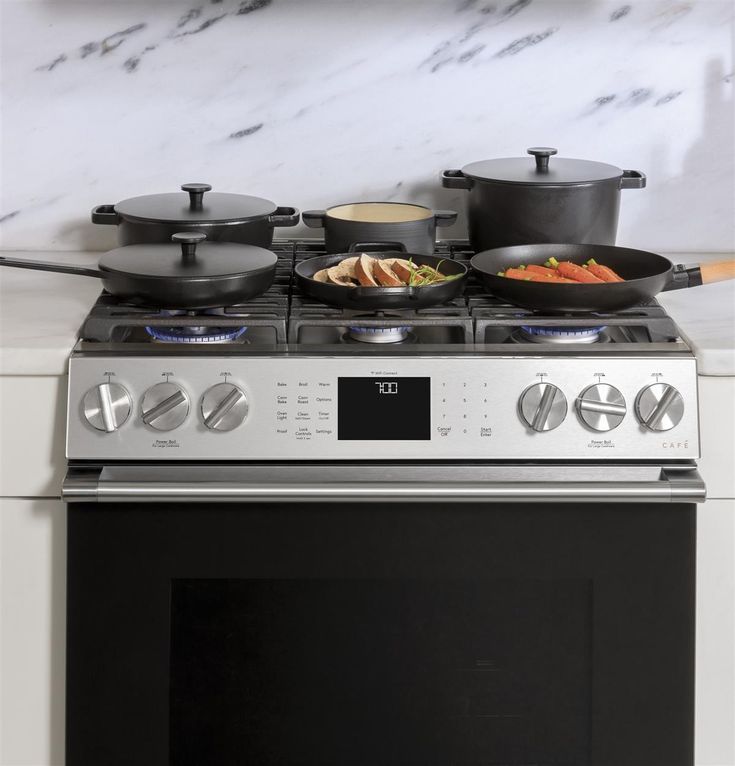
366	271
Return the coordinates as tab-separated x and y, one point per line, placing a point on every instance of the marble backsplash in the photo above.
317	102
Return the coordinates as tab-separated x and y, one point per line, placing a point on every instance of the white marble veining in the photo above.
320	102
40	314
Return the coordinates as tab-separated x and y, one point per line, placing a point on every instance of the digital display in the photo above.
384	409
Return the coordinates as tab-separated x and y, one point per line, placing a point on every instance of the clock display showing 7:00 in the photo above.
387	387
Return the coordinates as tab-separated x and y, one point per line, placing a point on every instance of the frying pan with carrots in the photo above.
644	275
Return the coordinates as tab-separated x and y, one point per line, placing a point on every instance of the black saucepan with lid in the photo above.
221	217
184	274
645	274
529	200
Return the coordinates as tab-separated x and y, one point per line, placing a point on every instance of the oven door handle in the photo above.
373	483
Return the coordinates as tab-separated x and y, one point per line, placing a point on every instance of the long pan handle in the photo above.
717	272
61	268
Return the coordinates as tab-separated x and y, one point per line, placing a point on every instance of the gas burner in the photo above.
378	334
536	334
195	334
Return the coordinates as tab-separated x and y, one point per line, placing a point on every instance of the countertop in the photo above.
40	314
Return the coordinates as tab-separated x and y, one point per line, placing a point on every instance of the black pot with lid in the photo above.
220	216
529	200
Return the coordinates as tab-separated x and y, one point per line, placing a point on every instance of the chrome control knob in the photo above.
224	407
107	406
543	406
659	407
165	406
601	407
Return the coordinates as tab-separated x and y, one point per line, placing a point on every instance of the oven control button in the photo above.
659	407
543	406
165	406
107	406
601	407
224	407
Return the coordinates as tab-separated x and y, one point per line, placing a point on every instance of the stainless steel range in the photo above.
478	380
498	503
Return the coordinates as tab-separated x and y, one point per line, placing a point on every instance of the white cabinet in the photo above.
717	436
32	433
32	631
715	674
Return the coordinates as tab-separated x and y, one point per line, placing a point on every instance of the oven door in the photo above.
382	615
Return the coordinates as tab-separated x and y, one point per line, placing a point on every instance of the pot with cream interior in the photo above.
413	226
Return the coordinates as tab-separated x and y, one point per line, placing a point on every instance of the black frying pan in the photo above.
176	276
645	274
379	298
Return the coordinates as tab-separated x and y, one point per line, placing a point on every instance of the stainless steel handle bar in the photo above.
371	483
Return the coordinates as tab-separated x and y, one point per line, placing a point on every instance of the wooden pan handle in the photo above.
718	271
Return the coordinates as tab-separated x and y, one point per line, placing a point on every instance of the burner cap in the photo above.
195	334
378	334
537	334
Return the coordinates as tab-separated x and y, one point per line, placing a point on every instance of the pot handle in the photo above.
445	217
314	219
284	216
633	179
362	291
384	247
105	214
455	179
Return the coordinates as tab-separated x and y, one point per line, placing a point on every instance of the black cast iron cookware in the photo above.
380	298
223	217
522	200
182	275
645	274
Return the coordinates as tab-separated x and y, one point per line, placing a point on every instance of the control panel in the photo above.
352	408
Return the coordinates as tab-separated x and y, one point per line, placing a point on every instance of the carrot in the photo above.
605	273
542	270
518	274
577	273
533	276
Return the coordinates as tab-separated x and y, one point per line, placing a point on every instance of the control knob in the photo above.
107	406
165	406
601	407
659	407
543	406
224	407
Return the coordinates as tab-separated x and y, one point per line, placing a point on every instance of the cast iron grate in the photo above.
284	314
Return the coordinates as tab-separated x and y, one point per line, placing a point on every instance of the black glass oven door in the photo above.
380	634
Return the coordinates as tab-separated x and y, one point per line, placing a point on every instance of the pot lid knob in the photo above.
188	241
196	194
542	154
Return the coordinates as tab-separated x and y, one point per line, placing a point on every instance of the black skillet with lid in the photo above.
221	216
186	274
